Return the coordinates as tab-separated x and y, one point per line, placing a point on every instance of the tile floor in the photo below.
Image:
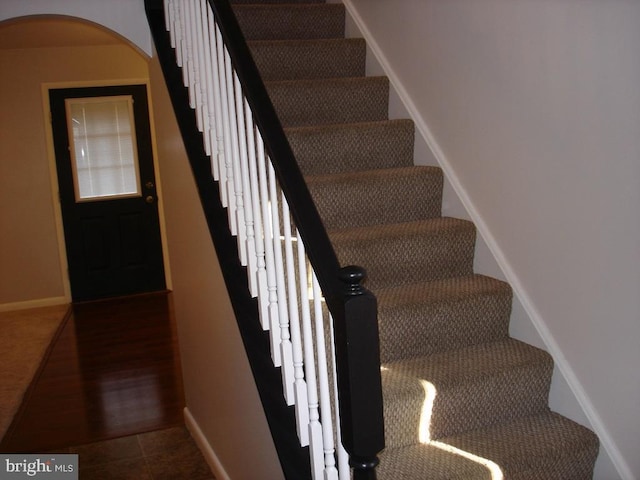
169	454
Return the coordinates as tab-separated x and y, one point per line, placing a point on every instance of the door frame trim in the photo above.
53	173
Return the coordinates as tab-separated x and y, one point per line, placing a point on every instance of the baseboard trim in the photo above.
203	444
483	230
41	302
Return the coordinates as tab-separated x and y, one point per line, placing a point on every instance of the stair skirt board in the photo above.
462	399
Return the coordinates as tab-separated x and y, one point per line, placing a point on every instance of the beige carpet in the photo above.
25	336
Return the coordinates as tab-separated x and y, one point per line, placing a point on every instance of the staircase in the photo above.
462	400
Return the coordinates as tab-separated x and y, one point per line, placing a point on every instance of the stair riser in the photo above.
409	258
288	22
378	197
306	103
410	330
467	406
364	146
306	60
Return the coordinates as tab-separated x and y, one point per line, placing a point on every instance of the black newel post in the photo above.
359	385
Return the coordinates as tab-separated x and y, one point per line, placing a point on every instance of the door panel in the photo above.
112	230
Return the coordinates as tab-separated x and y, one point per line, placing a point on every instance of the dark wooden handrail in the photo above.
354	309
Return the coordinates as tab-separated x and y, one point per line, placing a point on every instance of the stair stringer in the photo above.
567	396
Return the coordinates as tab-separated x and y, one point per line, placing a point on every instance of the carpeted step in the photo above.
451	313
375	197
302	20
429	462
329	101
358	146
541	447
407	253
461	390
323	58
546	446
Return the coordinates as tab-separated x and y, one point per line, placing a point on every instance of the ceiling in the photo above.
39	32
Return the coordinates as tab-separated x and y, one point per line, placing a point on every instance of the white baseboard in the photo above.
209	455
41	302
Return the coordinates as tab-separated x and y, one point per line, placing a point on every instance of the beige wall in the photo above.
220	392
30	269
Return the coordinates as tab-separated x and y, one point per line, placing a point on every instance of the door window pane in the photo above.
103	153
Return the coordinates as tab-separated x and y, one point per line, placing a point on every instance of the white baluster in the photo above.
189	65
181	45
330	471
197	66
254	199
203	100
286	347
302	401
177	28
211	86
235	116
216	111
229	121
195	73
316	448
283	327
343	457
288	359
168	20
273	323
260	236
244	203
297	379
223	127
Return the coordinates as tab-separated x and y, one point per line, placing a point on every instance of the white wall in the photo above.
124	17
533	109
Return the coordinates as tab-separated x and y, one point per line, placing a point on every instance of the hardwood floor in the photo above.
113	371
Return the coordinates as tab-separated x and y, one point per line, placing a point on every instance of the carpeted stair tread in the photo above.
450	313
546	446
473	387
407	253
328	101
356	146
301	20
428	462
306	59
358	199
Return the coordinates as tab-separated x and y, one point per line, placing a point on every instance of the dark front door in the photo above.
104	160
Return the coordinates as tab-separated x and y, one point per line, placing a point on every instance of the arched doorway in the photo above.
38	53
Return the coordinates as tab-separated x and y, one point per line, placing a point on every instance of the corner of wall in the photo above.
205	447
